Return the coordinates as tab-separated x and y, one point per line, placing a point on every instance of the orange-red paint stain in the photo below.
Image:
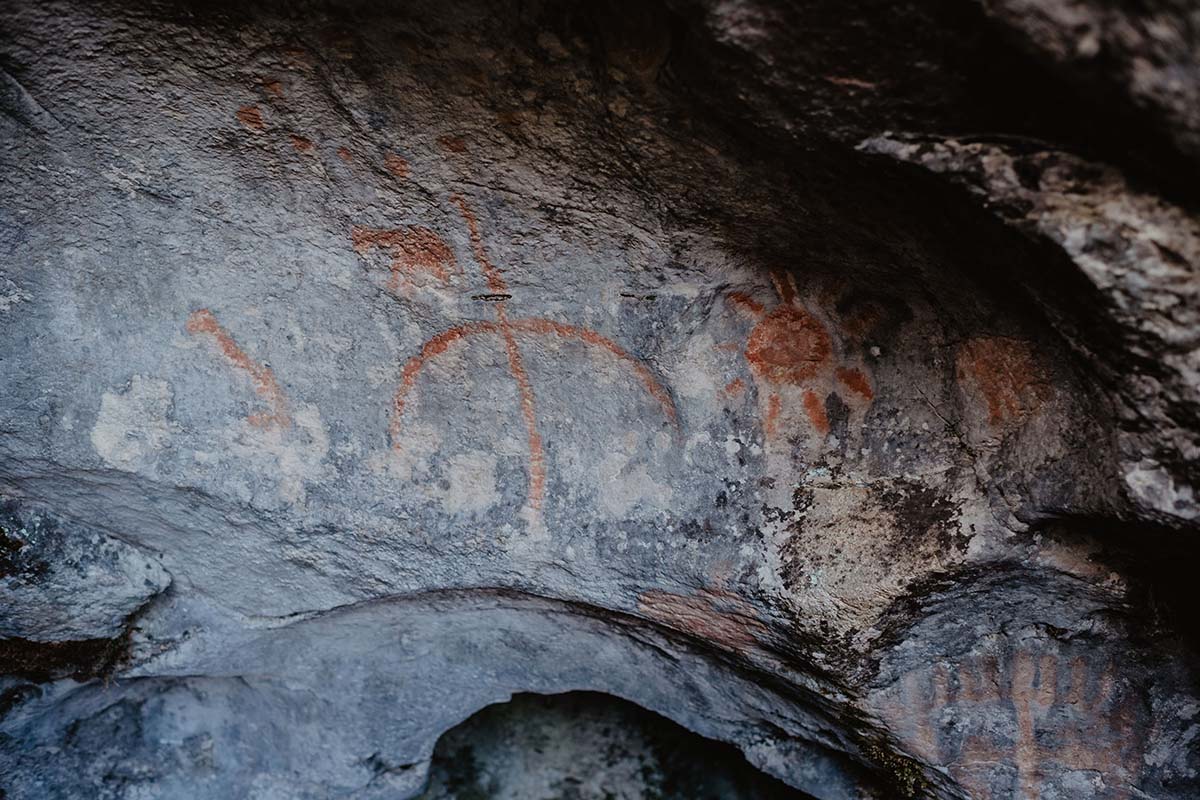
789	346
735	387
748	303
396	165
537	455
413	249
816	412
265	385
771	420
251	118
433	347
302	145
1003	372
274	87
345	155
495	280
854	380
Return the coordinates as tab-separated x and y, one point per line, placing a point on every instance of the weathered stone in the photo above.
369	363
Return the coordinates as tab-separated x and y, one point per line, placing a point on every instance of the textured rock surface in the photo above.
823	377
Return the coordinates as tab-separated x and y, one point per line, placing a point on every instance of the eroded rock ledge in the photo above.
824	377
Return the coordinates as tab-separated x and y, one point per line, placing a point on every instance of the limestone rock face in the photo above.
824	377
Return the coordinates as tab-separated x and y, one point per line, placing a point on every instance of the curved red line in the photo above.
434	346
548	327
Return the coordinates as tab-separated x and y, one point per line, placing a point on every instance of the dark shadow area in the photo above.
589	746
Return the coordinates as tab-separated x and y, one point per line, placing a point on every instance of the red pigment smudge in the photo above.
301	144
265	385
771	420
396	165
816	412
413	249
345	155
788	347
746	302
251	118
1004	373
854	380
454	144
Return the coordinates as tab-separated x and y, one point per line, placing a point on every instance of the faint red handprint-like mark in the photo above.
1014	723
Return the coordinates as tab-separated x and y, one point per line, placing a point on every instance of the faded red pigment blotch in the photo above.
714	616
413	249
1052	710
815	410
265	385
302	145
1003	372
453	144
251	118
396	165
854	380
771	418
789	346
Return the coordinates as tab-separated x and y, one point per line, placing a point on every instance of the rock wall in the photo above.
824	377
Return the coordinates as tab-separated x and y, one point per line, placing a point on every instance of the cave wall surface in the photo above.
822	376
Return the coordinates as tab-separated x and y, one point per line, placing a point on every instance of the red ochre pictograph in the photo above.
265	385
790	353
509	331
414	249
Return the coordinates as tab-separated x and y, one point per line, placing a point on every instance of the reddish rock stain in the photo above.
748	303
396	165
719	617
771	419
1003	372
301	144
345	155
453	144
1064	713
265	385
493	276
251	118
816	412
788	347
413	249
854	380
274	87
735	387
